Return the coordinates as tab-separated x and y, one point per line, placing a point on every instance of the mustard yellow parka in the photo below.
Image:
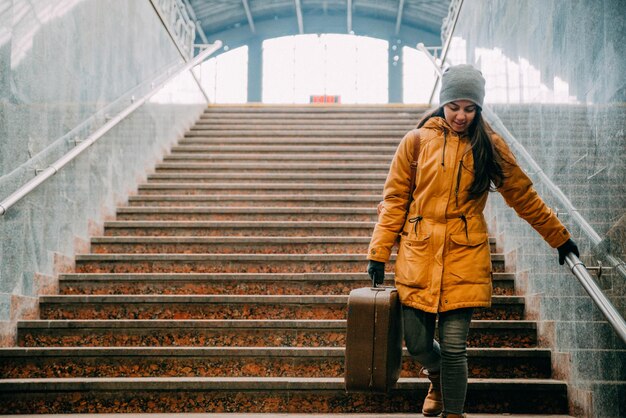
443	260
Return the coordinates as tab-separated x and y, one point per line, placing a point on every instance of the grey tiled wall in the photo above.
64	67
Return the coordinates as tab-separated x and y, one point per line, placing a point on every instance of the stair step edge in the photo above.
261	383
238	257
238	323
236	276
260	299
238	351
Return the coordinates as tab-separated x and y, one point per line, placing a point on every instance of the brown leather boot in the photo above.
433	404
453	415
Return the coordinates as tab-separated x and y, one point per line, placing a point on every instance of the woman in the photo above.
444	265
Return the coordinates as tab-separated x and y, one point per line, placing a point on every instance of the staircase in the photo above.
222	286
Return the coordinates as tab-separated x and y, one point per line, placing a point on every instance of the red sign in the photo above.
325	99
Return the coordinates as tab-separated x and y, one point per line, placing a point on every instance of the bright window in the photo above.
225	77
298	67
418	76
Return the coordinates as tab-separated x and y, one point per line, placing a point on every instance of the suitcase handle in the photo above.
378	287
375	286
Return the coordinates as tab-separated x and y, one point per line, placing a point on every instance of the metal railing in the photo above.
608	310
449	24
174	15
181	29
83	145
576	266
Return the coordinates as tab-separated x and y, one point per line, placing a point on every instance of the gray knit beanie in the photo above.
462	82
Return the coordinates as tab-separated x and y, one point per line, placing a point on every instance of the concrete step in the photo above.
275	167
300	133
239	333
280	415
317	108
225	245
310	141
317	116
232	263
355	126
247	214
228	307
306	123
261	188
319	119
69	362
237	245
233	245
321	137
294	122
252	200
276	394
281	177
233	284
342	112
219	263
303	122
237	228
287	149
317	158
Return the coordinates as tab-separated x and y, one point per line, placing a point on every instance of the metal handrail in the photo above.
178	19
577	267
605	306
83	145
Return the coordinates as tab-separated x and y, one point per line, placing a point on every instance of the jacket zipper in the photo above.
443	154
458	182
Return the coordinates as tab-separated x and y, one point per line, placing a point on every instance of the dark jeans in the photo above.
449	355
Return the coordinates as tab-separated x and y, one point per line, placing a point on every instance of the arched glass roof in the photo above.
234	21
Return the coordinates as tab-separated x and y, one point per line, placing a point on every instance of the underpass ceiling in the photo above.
217	16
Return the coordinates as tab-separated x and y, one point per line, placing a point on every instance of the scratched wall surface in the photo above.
554	72
65	67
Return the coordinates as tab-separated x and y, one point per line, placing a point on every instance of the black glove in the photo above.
565	249
376	270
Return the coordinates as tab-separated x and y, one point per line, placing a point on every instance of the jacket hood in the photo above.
437	123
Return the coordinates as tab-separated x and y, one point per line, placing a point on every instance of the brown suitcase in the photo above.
374	340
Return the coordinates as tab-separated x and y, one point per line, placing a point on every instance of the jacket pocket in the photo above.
469	258
414	261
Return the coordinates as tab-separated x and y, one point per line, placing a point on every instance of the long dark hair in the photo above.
488	174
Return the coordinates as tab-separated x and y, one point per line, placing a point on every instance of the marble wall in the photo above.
65	68
555	76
